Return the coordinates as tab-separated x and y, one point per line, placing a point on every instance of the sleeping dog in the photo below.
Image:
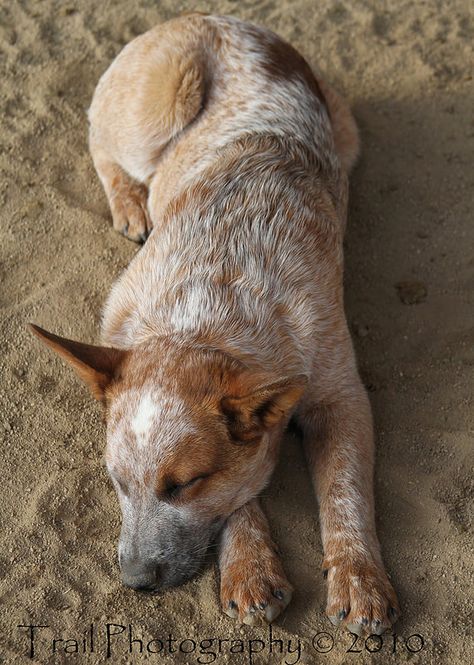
218	146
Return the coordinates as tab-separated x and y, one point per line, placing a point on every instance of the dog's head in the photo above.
192	435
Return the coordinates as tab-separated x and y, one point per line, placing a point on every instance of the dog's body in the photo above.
216	135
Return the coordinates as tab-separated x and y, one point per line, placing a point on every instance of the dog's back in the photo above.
247	190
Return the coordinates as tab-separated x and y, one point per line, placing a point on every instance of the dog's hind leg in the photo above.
126	196
253	583
346	136
150	93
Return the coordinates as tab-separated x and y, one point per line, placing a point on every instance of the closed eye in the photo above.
173	490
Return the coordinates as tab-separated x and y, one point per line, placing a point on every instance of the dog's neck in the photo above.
252	334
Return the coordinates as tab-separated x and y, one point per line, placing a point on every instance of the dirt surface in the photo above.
405	67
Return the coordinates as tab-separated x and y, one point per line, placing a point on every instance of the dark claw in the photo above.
278	594
325	573
262	606
125	230
342	615
232	605
376	623
392	613
365	621
143	237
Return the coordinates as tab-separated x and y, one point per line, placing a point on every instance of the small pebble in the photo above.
411	292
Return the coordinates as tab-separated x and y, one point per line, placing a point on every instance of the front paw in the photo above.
253	591
360	597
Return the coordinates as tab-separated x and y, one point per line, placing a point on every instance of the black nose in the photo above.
139	575
145	589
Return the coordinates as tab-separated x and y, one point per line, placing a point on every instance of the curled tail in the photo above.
151	92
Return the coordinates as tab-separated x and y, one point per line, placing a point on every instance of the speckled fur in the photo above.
214	135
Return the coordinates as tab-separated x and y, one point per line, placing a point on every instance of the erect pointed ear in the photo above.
251	413
96	365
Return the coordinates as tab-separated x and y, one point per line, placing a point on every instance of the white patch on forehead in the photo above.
142	421
151	422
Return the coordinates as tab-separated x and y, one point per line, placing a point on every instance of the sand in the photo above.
407	69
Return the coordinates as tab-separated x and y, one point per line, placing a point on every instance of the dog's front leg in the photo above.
339	445
253	583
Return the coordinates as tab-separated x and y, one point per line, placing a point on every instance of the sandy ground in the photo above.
405	67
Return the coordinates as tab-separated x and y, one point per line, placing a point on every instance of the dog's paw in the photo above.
130	213
360	597
255	591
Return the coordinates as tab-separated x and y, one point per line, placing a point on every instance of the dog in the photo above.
218	146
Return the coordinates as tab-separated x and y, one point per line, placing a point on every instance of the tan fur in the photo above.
216	135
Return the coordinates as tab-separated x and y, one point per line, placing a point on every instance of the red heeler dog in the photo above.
216	144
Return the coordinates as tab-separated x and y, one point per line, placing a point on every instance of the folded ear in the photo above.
96	365
251	413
